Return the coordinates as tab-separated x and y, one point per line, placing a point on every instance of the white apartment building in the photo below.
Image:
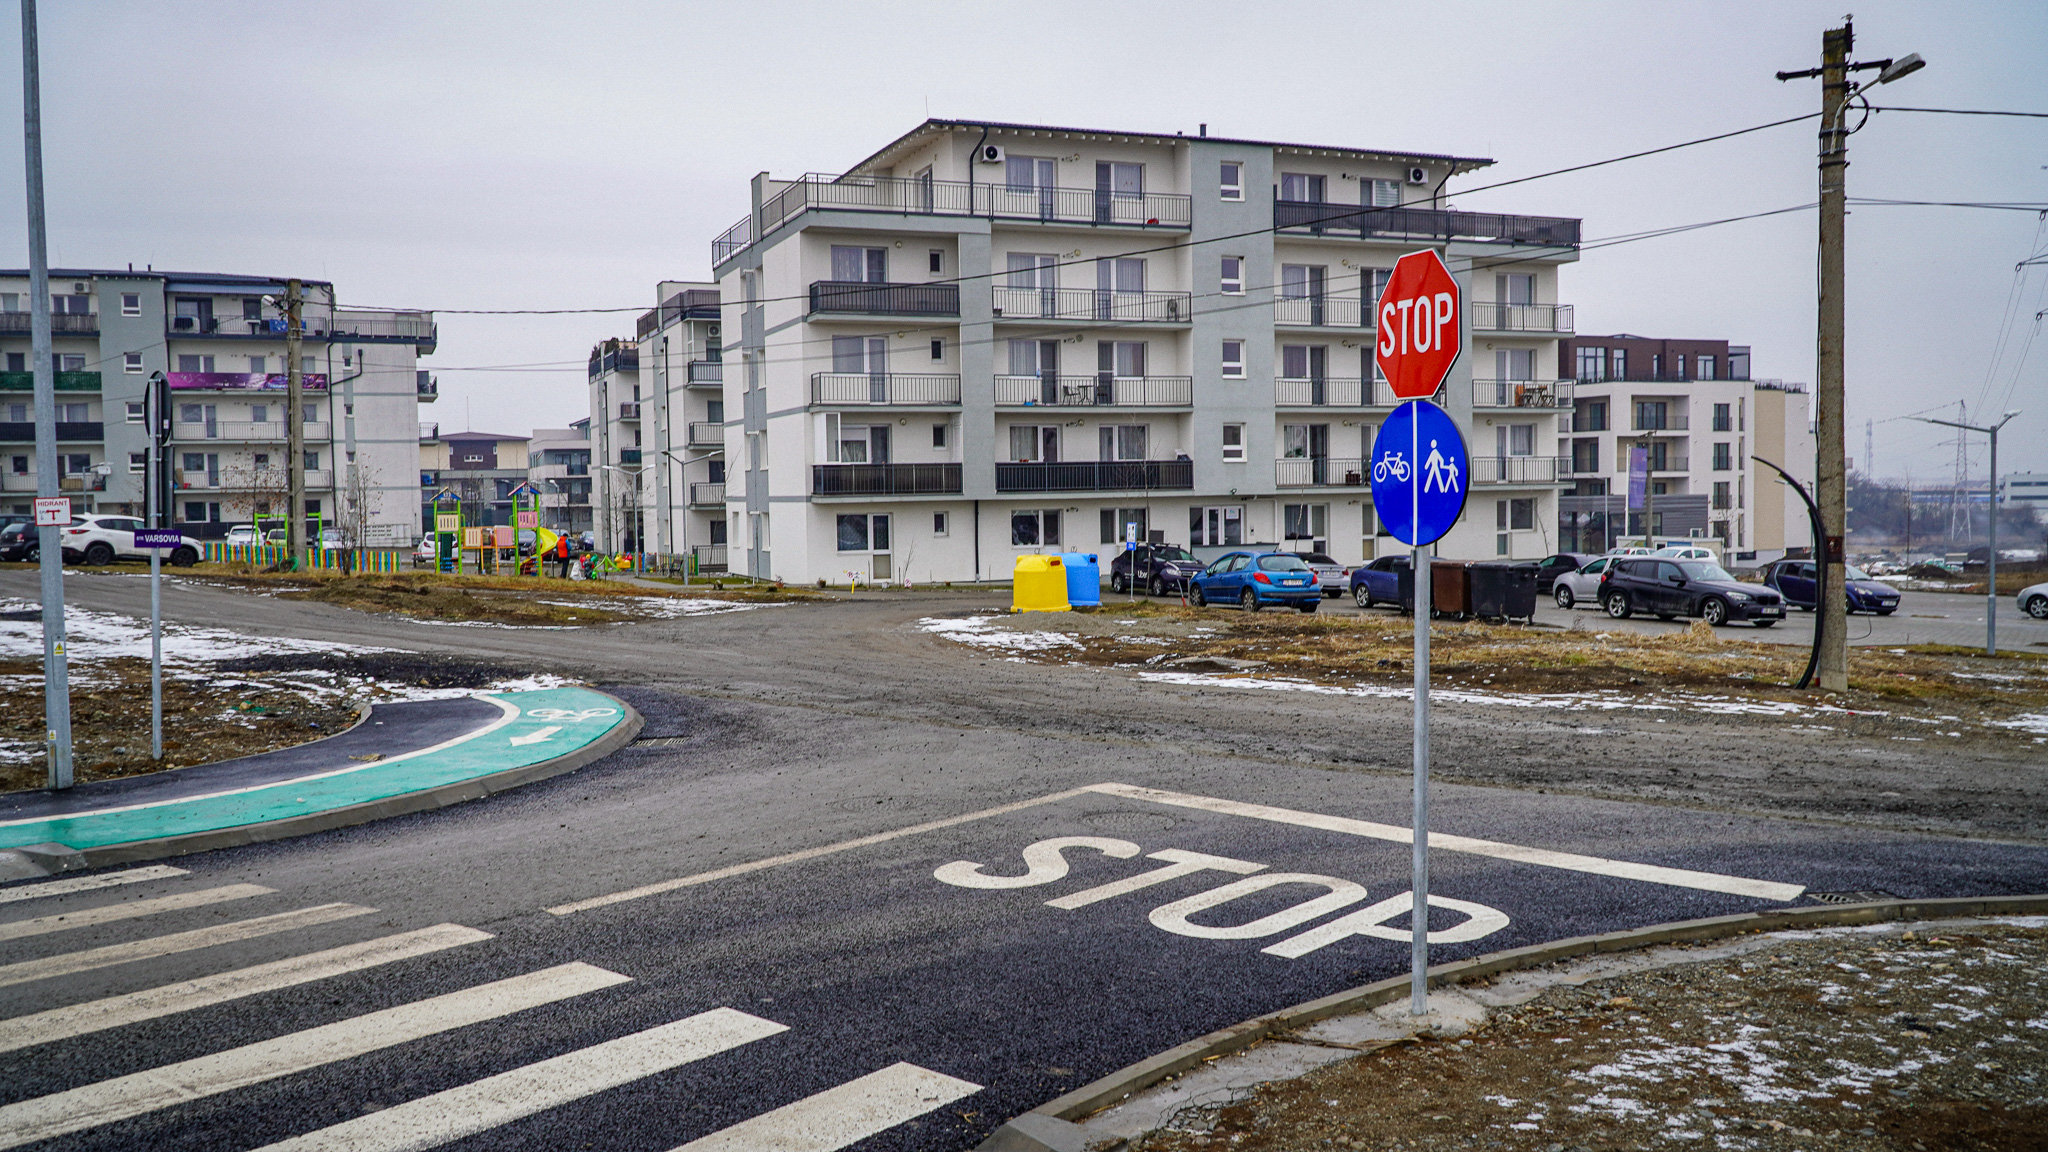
1701	419
219	341
558	467
993	339
620	503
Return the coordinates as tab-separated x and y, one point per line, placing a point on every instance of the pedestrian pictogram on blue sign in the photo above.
1420	473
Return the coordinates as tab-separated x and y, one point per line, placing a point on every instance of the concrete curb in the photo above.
1049	1127
425	800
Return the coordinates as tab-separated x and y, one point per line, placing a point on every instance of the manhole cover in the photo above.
1864	897
1129	821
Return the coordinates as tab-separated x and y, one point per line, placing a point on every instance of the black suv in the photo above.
1667	588
1161	568
20	541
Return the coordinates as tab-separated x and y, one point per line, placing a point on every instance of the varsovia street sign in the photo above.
1420	325
158	537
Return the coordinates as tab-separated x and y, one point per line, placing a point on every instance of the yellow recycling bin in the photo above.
1039	585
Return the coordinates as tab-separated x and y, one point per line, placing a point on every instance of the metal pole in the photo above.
1830	488
1419	564
1991	555
295	426
56	676
150	405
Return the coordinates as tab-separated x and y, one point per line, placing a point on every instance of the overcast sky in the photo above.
509	155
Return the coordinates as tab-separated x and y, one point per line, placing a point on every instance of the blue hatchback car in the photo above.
1252	580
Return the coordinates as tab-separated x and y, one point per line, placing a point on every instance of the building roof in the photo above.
225	278
478	436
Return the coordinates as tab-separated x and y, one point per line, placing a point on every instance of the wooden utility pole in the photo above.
295	425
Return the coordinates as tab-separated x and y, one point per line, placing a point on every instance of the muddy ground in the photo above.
518	601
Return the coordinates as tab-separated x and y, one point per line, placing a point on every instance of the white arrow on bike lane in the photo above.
537	735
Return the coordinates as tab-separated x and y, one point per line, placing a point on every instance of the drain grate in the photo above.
1864	897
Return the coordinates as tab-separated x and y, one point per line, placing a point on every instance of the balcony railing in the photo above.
617	360
1647	377
629	410
906	388
67	431
701	303
1090	304
1669	422
1331	392
1322	311
1319	472
1097	476
1670	463
858	298
732	241
1424	224
61	324
66	381
246	480
709	557
1099	391
629	455
82	482
703	495
707	372
383	327
430	430
884	479
1521	393
1522	317
259	431
705	434
1518	469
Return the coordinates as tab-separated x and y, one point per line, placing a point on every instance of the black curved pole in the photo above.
1820	568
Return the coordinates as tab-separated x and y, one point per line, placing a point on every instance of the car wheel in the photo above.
1195	596
1310	605
1714	611
1158	587
2038	607
1117	584
1361	597
1563	596
1765	623
99	552
184	557
1618	606
1249	601
35	554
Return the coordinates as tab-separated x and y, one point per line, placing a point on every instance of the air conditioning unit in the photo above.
712	330
989	154
1418	175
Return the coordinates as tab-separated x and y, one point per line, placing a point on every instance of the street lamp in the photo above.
1991	551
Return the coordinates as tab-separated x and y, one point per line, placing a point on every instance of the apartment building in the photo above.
482	469
621	503
1700	417
219	341
992	339
2023	490
558	467
682	422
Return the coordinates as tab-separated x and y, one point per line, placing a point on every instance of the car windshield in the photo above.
1855	573
1703	570
1317	558
1175	554
1282	564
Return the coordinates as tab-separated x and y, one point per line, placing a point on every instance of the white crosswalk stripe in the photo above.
840	1116
443	1117
143	1092
87	883
134	909
152	1003
68	963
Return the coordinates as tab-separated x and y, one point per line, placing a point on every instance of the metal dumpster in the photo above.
1521	597
1489	590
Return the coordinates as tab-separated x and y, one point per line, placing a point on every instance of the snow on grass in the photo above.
1606	701
91	635
659	607
981	631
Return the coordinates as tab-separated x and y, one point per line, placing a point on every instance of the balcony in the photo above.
1557	232
271	480
415	328
1090	304
426	387
82	482
707	495
706	373
1099	391
255	432
732	241
1518	469
1545	318
1670	463
1097	476
65	381
1319	472
1664	422
68	431
709	557
884	479
629	456
691	303
430	431
705	434
1331	392
629	410
857	298
61	324
1521	394
1322	312
907	389
616	360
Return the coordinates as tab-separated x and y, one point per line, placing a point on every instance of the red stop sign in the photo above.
1420	320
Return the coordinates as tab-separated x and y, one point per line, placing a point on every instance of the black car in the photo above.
1551	567
19	541
1795	580
1667	588
1161	568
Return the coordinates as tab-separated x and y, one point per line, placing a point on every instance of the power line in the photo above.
1960	111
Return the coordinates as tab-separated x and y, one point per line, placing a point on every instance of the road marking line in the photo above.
510	712
1622	869
659	887
840	1116
170	999
444	1117
143	1092
70	963
88	883
107	914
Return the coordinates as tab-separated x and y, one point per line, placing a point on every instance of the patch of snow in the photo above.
981	631
91	635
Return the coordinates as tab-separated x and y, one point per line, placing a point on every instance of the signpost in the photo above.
1420	474
156	540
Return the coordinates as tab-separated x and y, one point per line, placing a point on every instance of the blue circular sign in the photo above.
1420	473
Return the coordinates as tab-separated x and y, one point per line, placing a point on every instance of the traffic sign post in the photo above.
156	540
1420	474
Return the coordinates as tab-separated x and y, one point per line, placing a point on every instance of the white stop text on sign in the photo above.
1416	324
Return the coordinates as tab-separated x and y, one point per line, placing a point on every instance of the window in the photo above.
312	507
1618	363
1035	443
938	260
1028	173
259	413
1589	416
938	350
187	363
1301	187
1123	441
252	308
861	532
1592	363
19	465
131	304
1515	288
854	443
1220	525
1723	419
136	414
1373	282
309	412
1119	358
74	413
1119	180
1521	514
939	524
1385	193
259	365
1723	460
262	461
138	462
1233	359
1515	439
941	433
1232	276
1651	415
1230	181
1704	368
1035	528
1033	270
1119	524
1233	442
1722	497
131	363
860	265
18	414
70	363
1304	361
1119	274
1514	364
1302	281
1309	522
17	362
1586	455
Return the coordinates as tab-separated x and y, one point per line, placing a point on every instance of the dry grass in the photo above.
517	600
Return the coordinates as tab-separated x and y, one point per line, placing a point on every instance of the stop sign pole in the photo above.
1420	326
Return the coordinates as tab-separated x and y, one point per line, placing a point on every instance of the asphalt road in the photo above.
945	1004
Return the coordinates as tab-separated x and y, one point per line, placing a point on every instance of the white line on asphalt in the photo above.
1651	873
659	887
840	1116
140	1093
69	963
108	913
444	1117
510	713
151	1003
88	883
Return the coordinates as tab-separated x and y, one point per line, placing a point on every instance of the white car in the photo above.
241	534
1686	552
2034	601
99	539
1581	587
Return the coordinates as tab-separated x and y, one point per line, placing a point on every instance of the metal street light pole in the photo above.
1991	551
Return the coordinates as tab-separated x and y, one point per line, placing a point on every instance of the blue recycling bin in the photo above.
1084	579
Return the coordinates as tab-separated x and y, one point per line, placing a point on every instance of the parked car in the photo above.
21	542
426	553
2033	598
1379	582
1667	588
1331	577
1582	586
1794	580
241	534
1558	564
97	539
1252	580
1161	568
1687	552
